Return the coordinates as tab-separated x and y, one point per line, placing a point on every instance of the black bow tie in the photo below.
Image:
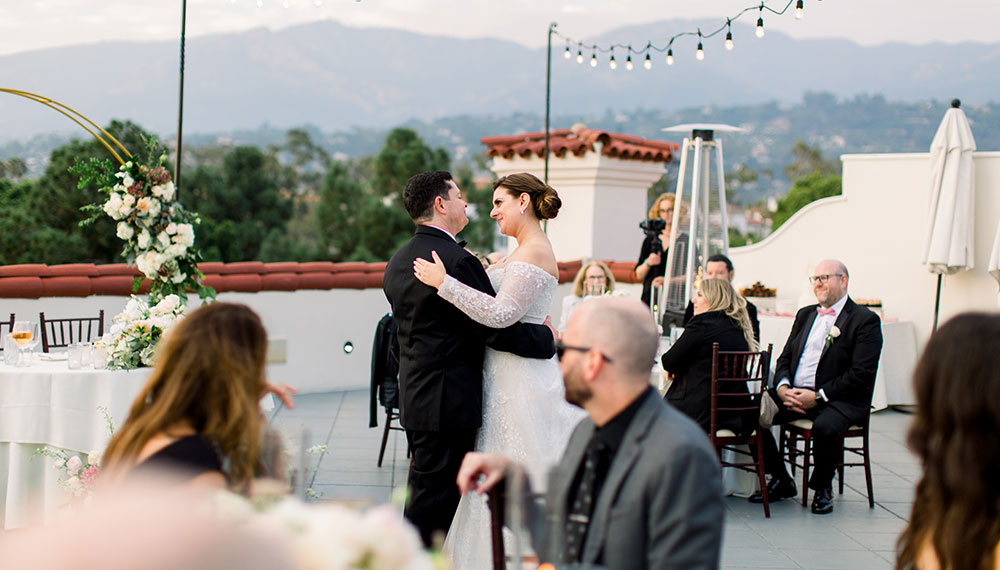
462	243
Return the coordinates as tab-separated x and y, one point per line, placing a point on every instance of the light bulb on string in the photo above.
567	54
759	32
579	56
593	59
317	3
260	3
700	54
670	56
798	9
648	64
612	64
285	4
628	63
729	36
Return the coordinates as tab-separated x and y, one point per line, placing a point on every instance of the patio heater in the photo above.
701	180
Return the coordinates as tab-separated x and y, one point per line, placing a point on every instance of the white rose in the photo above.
149	263
834	331
143	239
175	251
164	239
166	305
171	228
73	465
59	463
148	207
113	206
125	231
164	192
185	234
127	181
94	458
178	276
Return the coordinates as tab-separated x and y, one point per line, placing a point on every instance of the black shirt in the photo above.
610	436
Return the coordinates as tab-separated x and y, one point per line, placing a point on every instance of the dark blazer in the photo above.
847	366
385	369
661	505
751	312
441	349
690	361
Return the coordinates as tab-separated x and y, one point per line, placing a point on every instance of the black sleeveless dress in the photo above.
187	457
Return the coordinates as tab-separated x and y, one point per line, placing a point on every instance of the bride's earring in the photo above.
522	211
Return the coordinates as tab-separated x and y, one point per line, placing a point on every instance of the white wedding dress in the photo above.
525	414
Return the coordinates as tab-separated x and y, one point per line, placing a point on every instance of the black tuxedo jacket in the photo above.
440	348
847	365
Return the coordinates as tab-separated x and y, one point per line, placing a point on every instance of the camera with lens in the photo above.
653	227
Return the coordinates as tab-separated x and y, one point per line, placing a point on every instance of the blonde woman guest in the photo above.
594	278
720	316
198	416
955	520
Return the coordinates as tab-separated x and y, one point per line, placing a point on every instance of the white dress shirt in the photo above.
805	372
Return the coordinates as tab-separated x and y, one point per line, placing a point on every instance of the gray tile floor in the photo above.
853	536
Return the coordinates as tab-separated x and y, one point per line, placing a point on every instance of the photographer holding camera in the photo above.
652	257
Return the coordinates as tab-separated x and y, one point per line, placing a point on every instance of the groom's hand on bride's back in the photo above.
481	472
555	331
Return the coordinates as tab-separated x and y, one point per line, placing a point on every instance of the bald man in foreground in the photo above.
639	485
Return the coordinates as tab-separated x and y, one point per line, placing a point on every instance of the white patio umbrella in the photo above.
949	247
994	268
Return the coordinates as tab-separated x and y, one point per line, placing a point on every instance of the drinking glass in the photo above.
74	356
25	334
9	350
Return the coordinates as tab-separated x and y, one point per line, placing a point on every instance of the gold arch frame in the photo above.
77	117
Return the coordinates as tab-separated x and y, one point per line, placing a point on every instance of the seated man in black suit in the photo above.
826	373
719	266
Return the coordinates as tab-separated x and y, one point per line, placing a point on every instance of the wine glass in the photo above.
25	334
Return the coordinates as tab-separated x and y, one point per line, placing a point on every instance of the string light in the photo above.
285	4
725	26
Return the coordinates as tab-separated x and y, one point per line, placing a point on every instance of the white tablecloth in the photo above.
48	404
895	367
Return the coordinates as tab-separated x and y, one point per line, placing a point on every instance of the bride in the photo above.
525	415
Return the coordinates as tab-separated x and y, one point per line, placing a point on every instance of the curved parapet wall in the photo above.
34	281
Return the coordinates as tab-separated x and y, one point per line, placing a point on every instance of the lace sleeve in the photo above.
522	283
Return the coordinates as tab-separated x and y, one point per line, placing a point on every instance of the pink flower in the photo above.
89	475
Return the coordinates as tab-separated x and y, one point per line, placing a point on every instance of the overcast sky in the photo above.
34	24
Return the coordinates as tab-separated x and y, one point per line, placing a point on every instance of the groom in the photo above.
441	351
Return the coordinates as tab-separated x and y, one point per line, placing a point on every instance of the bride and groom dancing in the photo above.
476	370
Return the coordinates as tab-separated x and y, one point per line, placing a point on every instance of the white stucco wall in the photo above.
878	229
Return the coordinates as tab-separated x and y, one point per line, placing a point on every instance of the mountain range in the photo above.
337	77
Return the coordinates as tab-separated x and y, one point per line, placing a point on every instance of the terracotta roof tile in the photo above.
577	142
83	279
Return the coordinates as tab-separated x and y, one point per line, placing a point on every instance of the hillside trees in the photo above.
814	177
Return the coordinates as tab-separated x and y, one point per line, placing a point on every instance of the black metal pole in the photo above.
180	104
937	302
548	93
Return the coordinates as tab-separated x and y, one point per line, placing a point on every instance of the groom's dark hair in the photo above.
420	191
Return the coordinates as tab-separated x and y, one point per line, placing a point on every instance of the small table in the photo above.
48	404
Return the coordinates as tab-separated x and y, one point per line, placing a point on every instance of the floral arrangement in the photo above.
136	330
158	232
331	536
78	475
757	290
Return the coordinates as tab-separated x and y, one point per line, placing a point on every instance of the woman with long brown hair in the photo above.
955	521
720	316
198	413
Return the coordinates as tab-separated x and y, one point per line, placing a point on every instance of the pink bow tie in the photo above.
823	311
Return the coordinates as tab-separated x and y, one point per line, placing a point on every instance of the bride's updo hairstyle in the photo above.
545	200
